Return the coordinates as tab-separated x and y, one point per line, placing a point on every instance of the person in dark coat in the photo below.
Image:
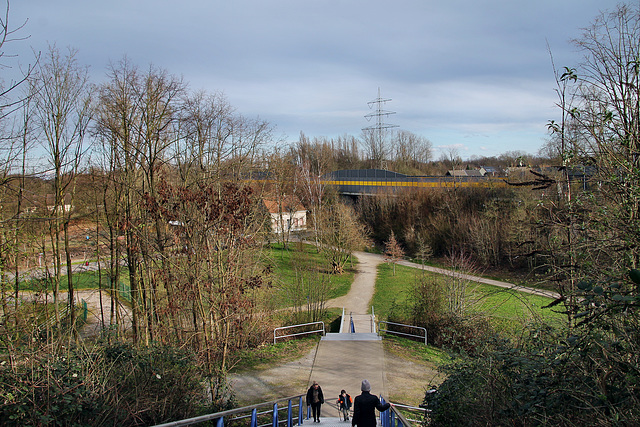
344	404
364	407
315	398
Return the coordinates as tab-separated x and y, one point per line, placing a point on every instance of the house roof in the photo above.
490	169
286	204
465	172
51	199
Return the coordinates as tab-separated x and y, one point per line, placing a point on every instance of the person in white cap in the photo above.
364	407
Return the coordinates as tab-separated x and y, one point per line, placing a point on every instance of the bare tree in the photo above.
393	252
207	127
285	183
461	300
217	143
116	124
313	161
13	145
342	234
411	151
599	128
63	111
10	34
376	145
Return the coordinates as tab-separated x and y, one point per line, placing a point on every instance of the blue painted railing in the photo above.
392	417
286	412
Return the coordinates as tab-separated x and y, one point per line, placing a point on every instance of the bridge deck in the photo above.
329	422
342	361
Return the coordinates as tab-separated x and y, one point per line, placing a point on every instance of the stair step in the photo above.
352	337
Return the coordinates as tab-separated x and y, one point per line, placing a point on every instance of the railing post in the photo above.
275	415
300	414
289	415
384	416
254	418
373	320
220	422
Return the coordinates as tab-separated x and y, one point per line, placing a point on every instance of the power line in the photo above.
379	115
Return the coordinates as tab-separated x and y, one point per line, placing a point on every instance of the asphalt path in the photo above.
507	285
358	299
342	362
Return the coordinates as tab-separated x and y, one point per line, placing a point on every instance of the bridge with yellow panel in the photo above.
357	182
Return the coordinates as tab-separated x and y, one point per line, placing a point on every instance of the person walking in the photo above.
364	407
344	404
315	398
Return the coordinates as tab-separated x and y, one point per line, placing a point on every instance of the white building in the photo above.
287	214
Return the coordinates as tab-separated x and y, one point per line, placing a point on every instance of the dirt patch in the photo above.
288	379
406	380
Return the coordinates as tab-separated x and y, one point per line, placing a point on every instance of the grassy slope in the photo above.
301	256
305	257
507	308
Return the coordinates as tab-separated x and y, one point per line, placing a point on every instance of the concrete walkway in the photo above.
343	360
340	361
344	363
329	422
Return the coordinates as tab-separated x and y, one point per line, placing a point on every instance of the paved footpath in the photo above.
506	285
343	361
329	422
340	361
357	302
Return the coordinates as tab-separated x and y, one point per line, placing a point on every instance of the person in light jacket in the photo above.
315	398
364	407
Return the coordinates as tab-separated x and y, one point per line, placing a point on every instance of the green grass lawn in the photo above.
82	280
392	290
266	356
508	309
402	347
305	259
286	264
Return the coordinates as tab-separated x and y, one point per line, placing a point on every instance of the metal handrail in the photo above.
299	333
373	321
403	333
253	413
64	313
414	409
392	416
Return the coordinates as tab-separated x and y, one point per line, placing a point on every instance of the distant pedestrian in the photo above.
315	398
344	404
364	407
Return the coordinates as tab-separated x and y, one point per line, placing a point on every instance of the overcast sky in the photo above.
467	74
